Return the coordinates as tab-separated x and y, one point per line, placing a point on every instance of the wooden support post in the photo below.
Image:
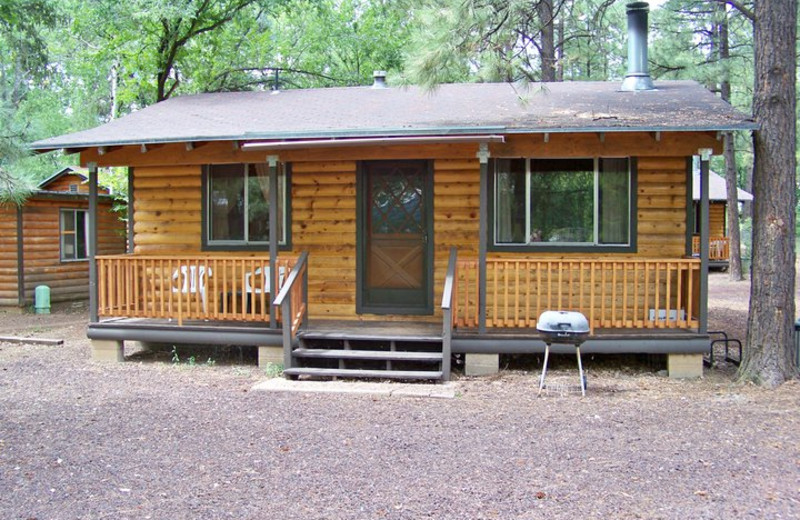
129	249
272	160
483	234
705	155
20	257
689	206
92	245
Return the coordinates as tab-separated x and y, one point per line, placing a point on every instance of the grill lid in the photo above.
563	323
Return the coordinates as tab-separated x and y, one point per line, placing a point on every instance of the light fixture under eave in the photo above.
366	141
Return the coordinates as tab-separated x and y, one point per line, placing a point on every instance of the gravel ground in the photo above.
150	438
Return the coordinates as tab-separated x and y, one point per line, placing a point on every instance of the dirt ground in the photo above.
164	438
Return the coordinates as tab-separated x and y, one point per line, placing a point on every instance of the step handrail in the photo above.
448	296
293	303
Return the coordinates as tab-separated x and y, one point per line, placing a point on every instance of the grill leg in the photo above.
544	367
580	369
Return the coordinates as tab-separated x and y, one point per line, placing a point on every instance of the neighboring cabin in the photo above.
44	240
719	247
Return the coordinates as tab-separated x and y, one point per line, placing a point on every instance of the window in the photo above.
237	205
562	202
73	226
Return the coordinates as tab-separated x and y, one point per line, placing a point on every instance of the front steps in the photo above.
331	354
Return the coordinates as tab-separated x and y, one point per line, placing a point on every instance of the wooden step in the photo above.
364	374
380	355
368	336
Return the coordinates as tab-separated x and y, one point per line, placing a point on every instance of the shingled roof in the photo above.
453	109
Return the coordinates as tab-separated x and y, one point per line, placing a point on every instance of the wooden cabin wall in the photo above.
168	219
8	255
43	266
716	219
167	210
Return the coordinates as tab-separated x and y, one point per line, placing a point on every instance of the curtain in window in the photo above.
227	204
510	201
614	201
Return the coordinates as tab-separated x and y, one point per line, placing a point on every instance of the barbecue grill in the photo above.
564	327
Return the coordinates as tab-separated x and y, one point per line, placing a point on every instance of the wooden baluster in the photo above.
679	295
690	293
658	296
528	320
591	297
506	317
603	293
635	293
669	322
646	304
625	294
614	323
581	306
517	307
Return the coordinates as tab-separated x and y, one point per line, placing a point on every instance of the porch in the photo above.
719	250
633	305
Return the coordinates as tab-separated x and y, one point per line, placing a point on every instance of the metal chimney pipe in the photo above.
638	77
379	79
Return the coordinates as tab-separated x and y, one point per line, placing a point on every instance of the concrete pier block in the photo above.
108	350
268	355
685	366
481	364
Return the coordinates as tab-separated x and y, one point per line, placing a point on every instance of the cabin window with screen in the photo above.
562	202
237	208
73	231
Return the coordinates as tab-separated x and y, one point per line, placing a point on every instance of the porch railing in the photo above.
293	302
633	294
719	248
188	287
448	299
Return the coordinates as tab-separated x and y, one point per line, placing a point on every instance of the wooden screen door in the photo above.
395	232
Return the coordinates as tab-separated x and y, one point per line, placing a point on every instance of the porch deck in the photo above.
519	340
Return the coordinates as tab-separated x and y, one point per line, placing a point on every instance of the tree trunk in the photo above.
735	260
747	206
548	53
735	256
770	332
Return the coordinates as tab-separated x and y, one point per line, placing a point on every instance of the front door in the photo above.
395	232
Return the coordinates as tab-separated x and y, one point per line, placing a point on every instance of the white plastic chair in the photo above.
191	279
267	279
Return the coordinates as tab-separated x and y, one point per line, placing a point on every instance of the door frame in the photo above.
362	219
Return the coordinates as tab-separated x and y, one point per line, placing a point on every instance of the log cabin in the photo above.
719	247
377	231
43	241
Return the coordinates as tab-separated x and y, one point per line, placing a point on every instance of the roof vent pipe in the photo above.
379	79
638	77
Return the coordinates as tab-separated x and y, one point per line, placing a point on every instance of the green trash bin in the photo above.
42	299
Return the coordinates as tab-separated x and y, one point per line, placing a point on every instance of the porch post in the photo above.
129	247
705	155
272	160
483	234
92	245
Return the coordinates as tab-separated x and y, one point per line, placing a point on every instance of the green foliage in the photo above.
501	40
273	370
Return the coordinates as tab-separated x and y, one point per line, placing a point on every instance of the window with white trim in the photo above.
237	205
562	202
74	228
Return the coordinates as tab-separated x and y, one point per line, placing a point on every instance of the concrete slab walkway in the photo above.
279	384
